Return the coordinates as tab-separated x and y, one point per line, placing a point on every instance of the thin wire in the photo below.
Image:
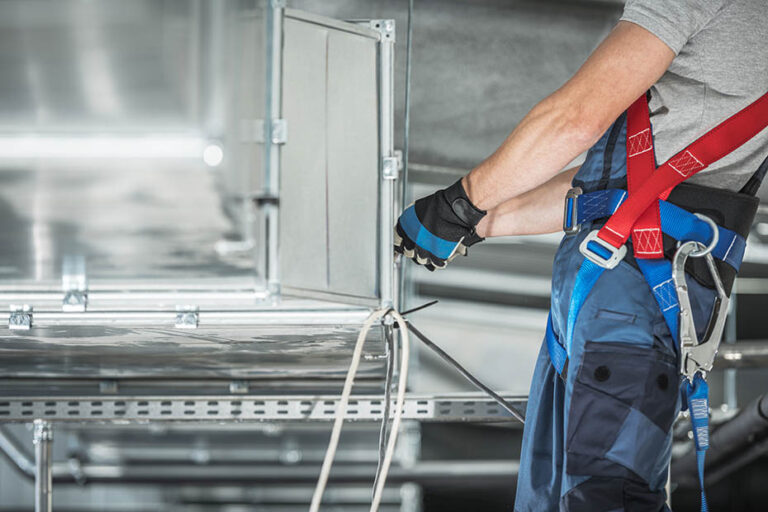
467	375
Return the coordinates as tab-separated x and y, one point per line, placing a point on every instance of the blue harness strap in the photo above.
676	222
658	275
682	225
588	275
697	401
557	353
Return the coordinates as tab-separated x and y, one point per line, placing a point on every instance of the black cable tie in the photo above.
419	308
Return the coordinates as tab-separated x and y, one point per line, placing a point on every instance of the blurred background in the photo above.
129	147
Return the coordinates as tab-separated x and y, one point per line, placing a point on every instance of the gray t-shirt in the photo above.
720	68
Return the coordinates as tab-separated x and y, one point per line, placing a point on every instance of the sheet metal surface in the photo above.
297	351
147	232
157	225
125	220
330	192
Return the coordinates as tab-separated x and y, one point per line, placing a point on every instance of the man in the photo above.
598	428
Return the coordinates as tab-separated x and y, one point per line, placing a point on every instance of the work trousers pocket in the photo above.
623	403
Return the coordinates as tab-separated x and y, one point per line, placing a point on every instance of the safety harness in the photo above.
643	213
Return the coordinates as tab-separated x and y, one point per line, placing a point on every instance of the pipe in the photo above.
732	446
43	439
448	472
11	449
160	472
744	354
64	472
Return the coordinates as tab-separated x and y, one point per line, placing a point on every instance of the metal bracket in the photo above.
74	284
109	387
20	318
42	432
187	317
385	27
239	387
279	131
75	301
389	167
253	130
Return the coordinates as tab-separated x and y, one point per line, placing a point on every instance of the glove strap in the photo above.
462	207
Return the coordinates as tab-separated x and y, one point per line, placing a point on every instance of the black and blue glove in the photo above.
437	228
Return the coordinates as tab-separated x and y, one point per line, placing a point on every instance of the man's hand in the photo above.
437	228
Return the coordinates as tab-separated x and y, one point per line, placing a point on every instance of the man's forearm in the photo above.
535	212
551	136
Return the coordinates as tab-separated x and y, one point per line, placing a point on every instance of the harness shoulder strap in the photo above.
641	164
712	146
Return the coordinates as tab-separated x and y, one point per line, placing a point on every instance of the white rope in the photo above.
338	422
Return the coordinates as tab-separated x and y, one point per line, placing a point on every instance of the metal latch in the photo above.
20	318
187	317
389	167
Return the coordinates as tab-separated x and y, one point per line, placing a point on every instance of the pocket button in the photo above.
602	373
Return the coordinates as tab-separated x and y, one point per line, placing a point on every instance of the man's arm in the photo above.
535	212
438	227
568	122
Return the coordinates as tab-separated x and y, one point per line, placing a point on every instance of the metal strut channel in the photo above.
465	407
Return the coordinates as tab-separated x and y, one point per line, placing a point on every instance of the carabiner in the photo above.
695	355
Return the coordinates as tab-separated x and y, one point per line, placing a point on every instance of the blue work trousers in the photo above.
599	438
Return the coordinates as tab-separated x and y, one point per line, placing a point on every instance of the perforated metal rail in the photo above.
226	409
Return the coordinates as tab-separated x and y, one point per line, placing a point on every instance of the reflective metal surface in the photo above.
138	220
83	66
146	237
246	352
123	255
330	182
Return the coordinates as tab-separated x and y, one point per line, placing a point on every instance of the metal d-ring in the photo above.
715	237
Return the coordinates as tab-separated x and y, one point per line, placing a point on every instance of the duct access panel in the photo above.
196	196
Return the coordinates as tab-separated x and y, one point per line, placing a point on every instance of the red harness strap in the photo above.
646	232
712	146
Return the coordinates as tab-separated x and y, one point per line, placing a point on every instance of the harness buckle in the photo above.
609	261
698	355
571	224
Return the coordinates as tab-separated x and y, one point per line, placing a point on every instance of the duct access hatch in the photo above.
124	256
